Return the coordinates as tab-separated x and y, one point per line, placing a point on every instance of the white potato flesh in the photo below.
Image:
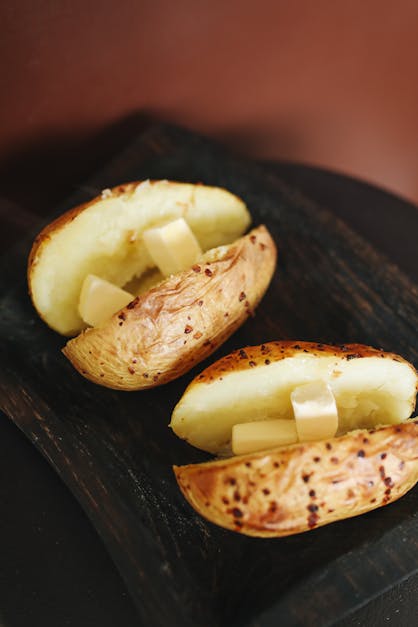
369	391
105	239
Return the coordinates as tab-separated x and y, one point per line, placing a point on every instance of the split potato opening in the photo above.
320	434
144	265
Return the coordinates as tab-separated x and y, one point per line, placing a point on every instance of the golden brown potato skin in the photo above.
300	487
166	331
252	356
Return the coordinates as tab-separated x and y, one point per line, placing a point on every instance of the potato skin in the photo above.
166	331
297	488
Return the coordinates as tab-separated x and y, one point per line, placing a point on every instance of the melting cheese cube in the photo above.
172	247
100	299
250	437
315	411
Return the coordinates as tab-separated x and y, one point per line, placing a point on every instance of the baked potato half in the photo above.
174	322
371	460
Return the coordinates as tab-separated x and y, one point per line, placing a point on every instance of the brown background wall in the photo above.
333	83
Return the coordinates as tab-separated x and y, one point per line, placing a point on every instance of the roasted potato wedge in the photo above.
371	387
294	488
297	488
174	322
169	329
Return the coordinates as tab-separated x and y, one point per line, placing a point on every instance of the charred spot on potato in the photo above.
208	272
306	478
188	328
132	304
312	494
313	520
361	453
242	296
334	460
388	482
253	239
328	446
252	364
236	512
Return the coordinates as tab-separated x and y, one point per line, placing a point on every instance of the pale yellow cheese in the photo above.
315	411
250	437
99	300
172	247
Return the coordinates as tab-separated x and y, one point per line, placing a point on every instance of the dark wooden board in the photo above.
115	452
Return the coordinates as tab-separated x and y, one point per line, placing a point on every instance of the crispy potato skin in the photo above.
297	488
166	331
252	356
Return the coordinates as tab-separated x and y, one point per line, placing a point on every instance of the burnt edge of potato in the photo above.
297	488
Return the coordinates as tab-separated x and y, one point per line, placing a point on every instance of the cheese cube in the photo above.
100	299
250	437
315	411
172	247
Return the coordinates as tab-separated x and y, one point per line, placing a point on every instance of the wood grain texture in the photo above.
115	452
